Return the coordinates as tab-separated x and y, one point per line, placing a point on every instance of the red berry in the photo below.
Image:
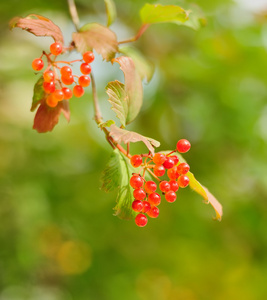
141	220
78	91
137	205
136	181
170	196
85	68
136	160
56	48
153	212
37	64
51	101
159	170
67	93
84	80
183	168
66	71
159	158
183	181
164	186
49	87
172	173
154	199
146	206
169	163
183	146
67	79
174	185
150	187
175	159
139	194
58	95
88	57
49	76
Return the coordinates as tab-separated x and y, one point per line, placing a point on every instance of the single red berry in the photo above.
37	64
150	187
78	91
183	146
146	206
85	68
183	168
172	173
67	93
84	80
137	205
159	158
153	212
159	170
67	79
175	159
141	220
136	181
139	194
164	186
56	48
170	196
183	181
154	199
49	76
169	163
66	71
51	101
174	185
136	160
58	95
88	57
49	87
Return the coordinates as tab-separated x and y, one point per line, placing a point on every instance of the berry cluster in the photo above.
146	199
53	84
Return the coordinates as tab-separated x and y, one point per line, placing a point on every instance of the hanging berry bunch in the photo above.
138	195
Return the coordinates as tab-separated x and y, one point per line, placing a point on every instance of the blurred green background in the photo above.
58	237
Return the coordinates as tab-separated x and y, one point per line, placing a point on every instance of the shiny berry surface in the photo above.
141	220
183	146
175	159
170	196
50	101
159	158
169	163
153	212
78	91
183	181
174	185
136	181
67	93
159	170
164	186
150	187
49	87
37	64
85	68
146	206
67	79
88	57
137	205
66	71
183	168
84	80
154	199
139	194
49	76
136	160
56	48
172	173
58	95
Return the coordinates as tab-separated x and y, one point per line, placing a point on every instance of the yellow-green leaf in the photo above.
111	11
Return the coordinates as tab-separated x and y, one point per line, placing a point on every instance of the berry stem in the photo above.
140	32
149	171
68	62
74	14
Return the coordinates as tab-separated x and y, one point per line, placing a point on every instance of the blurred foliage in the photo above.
58	237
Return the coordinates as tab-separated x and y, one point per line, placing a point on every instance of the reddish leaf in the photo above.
47	117
98	37
125	136
39	26
133	87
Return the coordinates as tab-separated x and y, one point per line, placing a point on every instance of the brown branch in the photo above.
74	14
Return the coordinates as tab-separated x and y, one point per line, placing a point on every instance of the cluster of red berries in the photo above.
146	199
53	84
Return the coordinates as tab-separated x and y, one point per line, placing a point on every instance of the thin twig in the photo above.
142	29
74	14
149	171
98	116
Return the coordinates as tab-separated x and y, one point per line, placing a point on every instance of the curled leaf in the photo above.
111	11
125	136
133	87
96	36
39	26
47	117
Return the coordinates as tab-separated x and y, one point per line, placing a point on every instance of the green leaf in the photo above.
133	87
144	67
115	176
38	93
157	13
106	124
96	36
111	11
125	136
39	26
